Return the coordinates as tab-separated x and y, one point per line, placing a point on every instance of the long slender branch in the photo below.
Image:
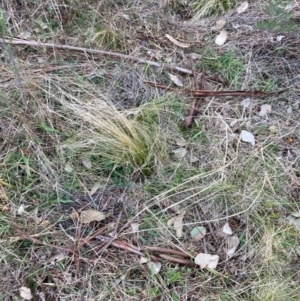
208	93
99	52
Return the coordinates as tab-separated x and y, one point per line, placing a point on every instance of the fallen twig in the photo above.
39	242
209	93
15	41
176	259
167	251
188	122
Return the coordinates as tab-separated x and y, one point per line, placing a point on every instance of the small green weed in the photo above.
280	19
229	65
174	275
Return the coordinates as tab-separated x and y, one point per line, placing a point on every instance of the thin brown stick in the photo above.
39	242
188	122
15	41
175	259
209	93
83	241
167	251
107	243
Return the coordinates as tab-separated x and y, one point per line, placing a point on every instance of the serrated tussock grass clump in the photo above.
206	8
107	37
123	137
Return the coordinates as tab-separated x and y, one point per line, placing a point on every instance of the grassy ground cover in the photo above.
100	181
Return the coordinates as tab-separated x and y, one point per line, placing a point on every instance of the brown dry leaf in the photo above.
246	102
279	38
180	142
95	187
274	129
154	267
177	223
243	7
143	260
232	244
207	260
294	219
135	227
74	214
227	229
91	215
247	137
21	209
219	25
194	159
264	110
221	38
180	152
25	293
86	162
68	168
176	80
57	258
177	43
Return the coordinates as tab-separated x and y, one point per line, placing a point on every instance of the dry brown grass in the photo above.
59	107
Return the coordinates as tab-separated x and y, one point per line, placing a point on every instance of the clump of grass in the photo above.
205	8
125	138
107	37
229	65
280	18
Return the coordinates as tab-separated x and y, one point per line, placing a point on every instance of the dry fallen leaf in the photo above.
264	110
180	142
154	267
177	43
248	256
226	229
91	215
291	6
233	123
21	209
175	79
243	7
68	168
207	260
194	159
177	223
247	137
143	260
94	189
221	38
232	244
25	293
294	219
57	258
74	214
180	152
198	233
279	38
274	129
219	25
246	102
87	163
134	227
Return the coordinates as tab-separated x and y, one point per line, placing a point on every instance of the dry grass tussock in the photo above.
126	137
84	132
